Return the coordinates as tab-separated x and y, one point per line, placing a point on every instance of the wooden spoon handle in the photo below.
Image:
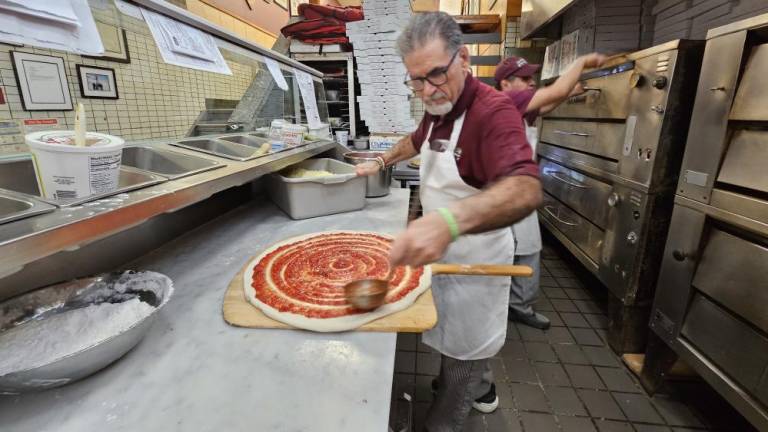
483	269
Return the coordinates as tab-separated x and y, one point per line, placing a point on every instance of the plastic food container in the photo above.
361	143
303	198
275	129
292	135
66	171
342	137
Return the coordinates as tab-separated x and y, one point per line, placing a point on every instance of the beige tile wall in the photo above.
157	100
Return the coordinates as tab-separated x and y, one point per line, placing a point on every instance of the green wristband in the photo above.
451	221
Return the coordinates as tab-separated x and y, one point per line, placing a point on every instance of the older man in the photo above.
515	77
477	178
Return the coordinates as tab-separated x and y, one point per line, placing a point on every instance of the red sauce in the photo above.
307	277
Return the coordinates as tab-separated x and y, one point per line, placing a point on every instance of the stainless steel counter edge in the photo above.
31	239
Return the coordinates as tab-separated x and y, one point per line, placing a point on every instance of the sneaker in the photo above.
535	320
485	404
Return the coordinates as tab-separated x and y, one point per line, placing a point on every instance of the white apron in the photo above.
527	232
471	310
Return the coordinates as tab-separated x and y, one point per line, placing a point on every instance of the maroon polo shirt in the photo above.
521	99
490	146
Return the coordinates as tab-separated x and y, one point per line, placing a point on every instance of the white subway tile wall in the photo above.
157	100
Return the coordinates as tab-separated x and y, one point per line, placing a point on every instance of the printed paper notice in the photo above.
307	89
129	9
277	74
184	45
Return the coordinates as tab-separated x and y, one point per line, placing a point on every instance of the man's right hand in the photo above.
367	168
594	60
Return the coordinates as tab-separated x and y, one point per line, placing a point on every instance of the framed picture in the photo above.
42	82
115	43
97	82
282	3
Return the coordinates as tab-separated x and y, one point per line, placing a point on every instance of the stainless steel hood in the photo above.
537	13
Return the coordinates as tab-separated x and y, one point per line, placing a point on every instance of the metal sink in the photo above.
252	141
225	149
14	207
18	175
166	163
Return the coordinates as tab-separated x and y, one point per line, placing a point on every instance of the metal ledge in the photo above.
725	386
739	210
28	240
746	24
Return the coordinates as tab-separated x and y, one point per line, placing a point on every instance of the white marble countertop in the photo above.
193	372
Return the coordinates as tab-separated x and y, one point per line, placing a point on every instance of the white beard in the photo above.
440	109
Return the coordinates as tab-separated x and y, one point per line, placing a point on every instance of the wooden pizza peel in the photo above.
419	317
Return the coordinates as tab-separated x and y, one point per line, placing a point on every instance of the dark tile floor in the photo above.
566	378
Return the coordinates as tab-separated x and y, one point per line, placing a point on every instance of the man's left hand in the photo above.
424	242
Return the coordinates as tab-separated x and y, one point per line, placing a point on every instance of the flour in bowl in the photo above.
40	342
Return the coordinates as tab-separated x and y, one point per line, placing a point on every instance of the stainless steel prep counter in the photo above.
193	372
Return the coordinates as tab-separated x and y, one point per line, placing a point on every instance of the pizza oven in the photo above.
711	304
609	161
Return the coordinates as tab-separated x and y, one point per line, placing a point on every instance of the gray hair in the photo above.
424	27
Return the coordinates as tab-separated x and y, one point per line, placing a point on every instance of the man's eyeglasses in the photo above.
436	77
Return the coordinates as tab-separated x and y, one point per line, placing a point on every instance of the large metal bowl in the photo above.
84	362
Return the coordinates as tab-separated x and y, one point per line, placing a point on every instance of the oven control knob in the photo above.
614	199
660	82
632	238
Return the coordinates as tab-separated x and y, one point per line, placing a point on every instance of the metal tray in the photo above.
55	299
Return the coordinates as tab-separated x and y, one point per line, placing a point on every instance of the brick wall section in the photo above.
617	25
613	26
157	100
692	19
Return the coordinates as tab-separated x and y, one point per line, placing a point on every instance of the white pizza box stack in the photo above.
303	198
384	100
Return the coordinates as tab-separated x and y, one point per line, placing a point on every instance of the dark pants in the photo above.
460	382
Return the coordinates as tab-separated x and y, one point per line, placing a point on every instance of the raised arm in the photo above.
548	98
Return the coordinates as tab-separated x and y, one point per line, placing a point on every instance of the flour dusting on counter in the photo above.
40	342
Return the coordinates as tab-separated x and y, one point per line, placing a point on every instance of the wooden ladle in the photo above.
367	294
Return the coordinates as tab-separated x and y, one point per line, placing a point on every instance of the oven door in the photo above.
711	302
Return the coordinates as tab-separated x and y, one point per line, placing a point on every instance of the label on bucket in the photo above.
102	168
103	173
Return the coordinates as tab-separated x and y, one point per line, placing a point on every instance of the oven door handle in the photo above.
580	134
586	89
561	176
548	209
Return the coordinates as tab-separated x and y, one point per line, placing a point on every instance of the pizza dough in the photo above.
305	173
300	281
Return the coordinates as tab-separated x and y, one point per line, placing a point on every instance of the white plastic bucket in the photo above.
342	137
66	171
322	132
293	135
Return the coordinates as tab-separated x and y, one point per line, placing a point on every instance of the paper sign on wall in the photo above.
307	88
277	74
129	9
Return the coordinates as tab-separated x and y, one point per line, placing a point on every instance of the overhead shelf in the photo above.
478	23
538	14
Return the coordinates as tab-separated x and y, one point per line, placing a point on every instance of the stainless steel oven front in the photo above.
711	303
609	161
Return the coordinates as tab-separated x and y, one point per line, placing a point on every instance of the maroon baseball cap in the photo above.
514	66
